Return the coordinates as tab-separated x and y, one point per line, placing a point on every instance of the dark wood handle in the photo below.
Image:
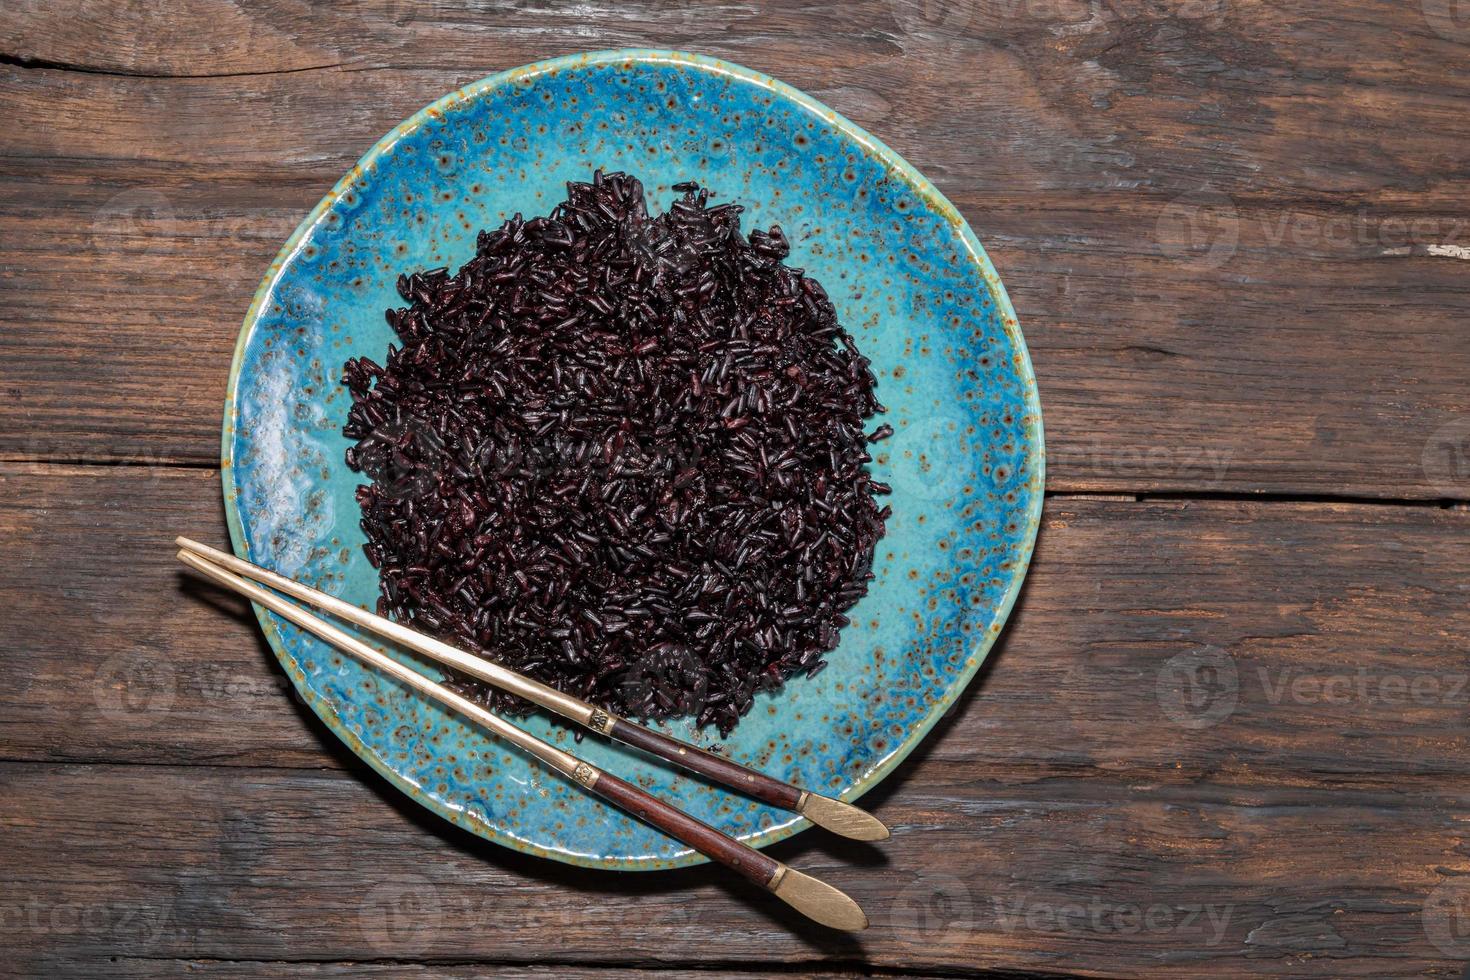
732	774
680	825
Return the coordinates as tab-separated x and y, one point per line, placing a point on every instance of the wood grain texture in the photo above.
156	666
1221	737
1230	236
268	865
144	968
1104	760
113	642
1075	94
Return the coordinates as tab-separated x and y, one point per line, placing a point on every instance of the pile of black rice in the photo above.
623	454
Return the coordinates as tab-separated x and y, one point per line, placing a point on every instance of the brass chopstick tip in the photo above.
820	902
842	818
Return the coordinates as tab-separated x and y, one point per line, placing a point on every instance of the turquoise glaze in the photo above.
909	280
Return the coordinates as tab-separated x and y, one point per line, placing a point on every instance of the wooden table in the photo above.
1226	732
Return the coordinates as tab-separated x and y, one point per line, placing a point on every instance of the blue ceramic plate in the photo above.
909	280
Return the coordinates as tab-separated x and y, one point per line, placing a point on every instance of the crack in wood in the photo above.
44	64
817	968
1120	495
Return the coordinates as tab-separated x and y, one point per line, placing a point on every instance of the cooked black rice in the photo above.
623	454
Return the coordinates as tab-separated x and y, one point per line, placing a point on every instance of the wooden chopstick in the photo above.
813	898
833	814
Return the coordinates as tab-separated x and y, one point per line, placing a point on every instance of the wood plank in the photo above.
1214	643
146	968
1320	378
169	275
138	662
1219	737
279	865
1122	93
1217	229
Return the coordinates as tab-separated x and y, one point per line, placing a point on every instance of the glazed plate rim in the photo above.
895	165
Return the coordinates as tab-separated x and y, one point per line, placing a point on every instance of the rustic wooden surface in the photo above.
1226	731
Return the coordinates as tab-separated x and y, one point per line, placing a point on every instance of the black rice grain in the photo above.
624	454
